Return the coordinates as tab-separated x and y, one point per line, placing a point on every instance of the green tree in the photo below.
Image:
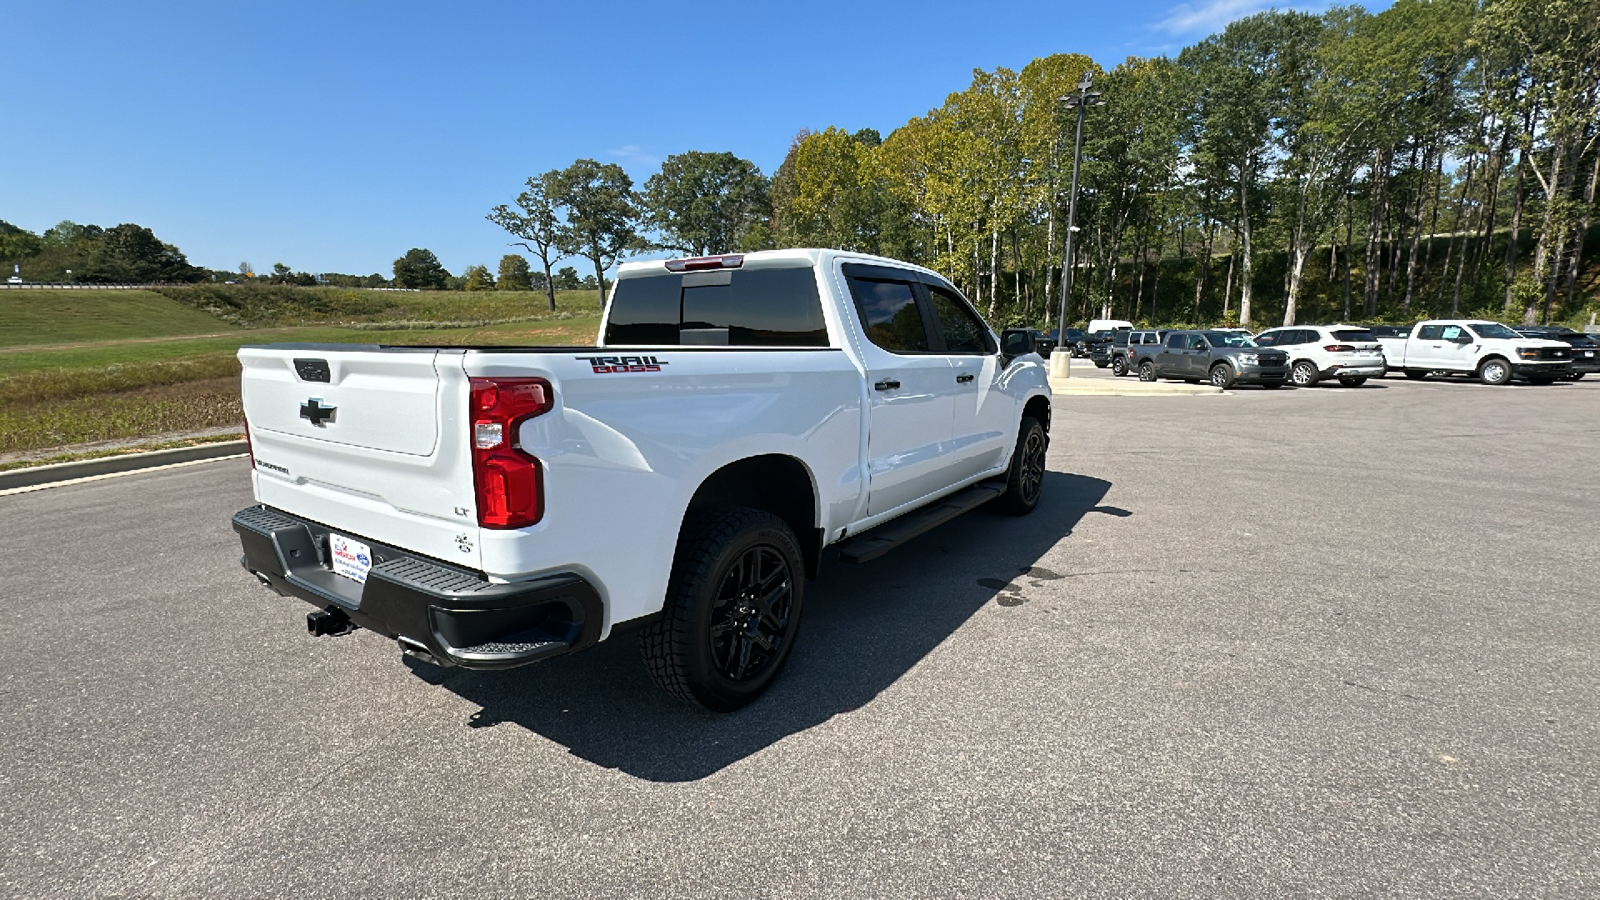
537	225
567	280
478	278
704	203
419	269
514	273
602	215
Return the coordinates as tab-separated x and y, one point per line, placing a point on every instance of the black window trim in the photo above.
918	281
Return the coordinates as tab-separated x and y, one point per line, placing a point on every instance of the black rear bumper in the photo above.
452	616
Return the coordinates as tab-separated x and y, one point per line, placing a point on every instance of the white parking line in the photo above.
177	465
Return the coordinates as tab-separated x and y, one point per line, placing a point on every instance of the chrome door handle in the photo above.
963	378
887	385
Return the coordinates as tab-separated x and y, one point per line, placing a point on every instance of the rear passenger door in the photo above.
984	420
910	386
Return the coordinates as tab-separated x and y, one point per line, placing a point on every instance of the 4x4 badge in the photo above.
314	412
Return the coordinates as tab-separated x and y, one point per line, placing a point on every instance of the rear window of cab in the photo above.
755	307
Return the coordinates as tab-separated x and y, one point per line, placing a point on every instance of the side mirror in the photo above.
1463	338
1016	342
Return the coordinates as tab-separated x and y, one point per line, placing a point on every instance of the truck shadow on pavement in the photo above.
864	627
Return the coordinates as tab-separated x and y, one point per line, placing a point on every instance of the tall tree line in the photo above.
1439	156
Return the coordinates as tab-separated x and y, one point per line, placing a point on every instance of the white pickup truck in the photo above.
1489	351
488	507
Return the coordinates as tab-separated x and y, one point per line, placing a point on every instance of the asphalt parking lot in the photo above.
1320	642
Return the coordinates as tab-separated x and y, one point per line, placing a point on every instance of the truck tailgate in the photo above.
358	438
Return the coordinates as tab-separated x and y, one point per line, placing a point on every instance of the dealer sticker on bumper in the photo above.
352	559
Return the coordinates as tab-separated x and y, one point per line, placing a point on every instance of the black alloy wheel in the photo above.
750	622
1222	376
1025	478
732	611
1147	371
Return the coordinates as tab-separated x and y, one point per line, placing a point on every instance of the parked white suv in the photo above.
1349	353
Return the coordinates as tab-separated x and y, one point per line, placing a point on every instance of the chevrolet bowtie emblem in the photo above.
314	412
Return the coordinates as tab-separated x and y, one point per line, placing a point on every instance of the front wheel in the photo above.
1352	380
1147	371
1025	478
1119	367
732	611
1222	376
1494	372
1304	373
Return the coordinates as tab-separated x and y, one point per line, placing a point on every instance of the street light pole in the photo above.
1080	101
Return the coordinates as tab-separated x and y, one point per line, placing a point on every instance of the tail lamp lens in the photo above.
509	482
1339	348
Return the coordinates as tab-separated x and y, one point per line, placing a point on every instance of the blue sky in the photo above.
333	136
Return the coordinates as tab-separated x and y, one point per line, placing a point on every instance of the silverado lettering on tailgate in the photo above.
618	365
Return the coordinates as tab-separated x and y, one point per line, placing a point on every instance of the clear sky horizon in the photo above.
334	136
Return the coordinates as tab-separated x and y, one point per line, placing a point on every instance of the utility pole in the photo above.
1080	101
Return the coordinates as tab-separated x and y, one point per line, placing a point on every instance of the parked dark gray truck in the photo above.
1224	358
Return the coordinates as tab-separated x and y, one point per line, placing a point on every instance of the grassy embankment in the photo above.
80	367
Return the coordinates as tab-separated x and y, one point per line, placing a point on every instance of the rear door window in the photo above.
1430	333
1176	341
890	315
963	331
739	308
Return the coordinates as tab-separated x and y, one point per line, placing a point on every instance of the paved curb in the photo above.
111	465
1105	387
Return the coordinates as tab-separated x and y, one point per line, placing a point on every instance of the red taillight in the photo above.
509	483
1339	348
695	264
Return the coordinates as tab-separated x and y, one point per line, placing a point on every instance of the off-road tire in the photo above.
704	596
1025	477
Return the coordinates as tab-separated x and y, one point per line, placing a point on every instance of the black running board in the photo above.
880	540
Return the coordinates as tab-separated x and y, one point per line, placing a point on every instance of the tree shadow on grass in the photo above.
865	626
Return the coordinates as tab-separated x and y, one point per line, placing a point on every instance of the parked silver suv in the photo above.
1221	357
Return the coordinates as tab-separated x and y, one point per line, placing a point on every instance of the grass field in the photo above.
59	317
175	370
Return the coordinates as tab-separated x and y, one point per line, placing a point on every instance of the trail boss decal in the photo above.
621	365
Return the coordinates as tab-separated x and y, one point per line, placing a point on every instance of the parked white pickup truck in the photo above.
1489	351
487	507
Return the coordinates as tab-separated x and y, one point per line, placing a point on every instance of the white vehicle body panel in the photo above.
623	453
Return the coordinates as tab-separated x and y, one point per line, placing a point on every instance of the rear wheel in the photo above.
1494	371
1222	376
1119	367
1025	478
1352	380
1304	373
1416	374
732	611
1147	371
